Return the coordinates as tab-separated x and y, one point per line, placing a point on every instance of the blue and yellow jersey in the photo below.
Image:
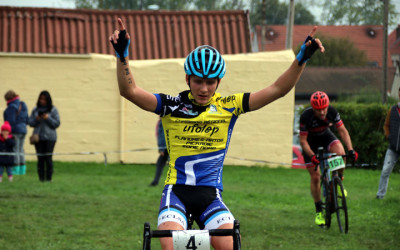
197	137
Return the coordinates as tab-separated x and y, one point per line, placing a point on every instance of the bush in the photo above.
365	95
340	52
365	125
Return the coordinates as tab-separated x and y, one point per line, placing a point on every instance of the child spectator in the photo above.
17	115
7	143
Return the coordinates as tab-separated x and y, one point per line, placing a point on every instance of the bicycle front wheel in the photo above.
327	201
340	205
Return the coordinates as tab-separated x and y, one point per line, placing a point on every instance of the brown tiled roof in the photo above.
368	38
156	34
394	41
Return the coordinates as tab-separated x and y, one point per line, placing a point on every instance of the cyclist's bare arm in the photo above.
129	89
345	136
283	84
305	146
126	82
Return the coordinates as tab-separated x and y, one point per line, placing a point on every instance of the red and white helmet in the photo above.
319	100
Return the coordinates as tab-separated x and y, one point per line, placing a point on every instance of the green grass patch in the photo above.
92	206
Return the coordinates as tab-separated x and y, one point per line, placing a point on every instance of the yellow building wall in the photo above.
94	118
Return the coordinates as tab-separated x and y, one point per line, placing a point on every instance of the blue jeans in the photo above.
391	158
19	149
8	169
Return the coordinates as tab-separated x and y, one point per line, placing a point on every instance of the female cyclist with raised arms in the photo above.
198	125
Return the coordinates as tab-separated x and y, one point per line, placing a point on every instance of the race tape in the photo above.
147	149
267	162
82	153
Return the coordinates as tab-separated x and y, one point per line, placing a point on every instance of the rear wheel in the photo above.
340	205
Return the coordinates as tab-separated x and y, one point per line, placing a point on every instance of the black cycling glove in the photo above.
353	154
122	46
306	52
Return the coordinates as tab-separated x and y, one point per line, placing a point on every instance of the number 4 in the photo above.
191	244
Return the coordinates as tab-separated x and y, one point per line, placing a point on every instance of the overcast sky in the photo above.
40	3
71	3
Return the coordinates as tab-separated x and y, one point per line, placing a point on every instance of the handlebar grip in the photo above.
320	155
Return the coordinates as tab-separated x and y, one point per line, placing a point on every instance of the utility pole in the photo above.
385	48
264	23
289	29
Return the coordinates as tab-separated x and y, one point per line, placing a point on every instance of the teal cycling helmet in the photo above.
205	62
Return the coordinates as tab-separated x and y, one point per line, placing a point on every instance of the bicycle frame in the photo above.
331	184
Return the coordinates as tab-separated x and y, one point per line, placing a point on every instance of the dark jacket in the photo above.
7	146
393	123
16	114
45	128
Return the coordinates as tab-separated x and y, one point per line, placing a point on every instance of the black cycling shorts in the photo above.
326	140
204	203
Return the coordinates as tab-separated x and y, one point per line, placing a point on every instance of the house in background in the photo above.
368	38
334	80
394	48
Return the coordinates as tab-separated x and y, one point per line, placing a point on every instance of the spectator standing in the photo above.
16	114
45	119
6	145
392	133
163	153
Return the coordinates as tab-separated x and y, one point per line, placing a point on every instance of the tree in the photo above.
163	4
356	12
339	52
276	13
85	4
132	4
219	5
302	16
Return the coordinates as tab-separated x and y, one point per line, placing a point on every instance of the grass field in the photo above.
92	206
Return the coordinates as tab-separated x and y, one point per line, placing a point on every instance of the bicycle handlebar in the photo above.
321	157
211	232
234	232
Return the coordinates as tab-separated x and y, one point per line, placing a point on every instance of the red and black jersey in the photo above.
310	124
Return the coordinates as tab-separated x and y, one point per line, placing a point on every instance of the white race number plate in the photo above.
336	163
191	239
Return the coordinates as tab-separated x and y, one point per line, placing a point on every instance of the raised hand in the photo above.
309	47
120	40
